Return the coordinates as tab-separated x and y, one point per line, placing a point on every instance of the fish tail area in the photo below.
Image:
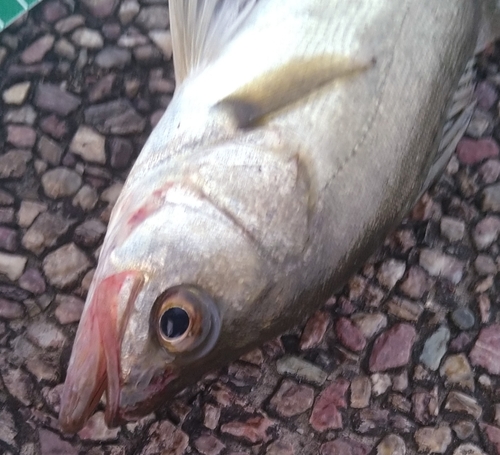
201	28
94	366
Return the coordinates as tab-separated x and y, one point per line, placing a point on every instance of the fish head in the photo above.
163	306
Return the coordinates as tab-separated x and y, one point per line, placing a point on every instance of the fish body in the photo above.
299	134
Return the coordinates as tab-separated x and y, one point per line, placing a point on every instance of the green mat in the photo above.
10	10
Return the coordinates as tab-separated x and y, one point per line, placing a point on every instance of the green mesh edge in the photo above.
10	10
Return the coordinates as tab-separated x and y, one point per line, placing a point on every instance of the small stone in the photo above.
435	348
486	95
253	430
6	215
208	445
115	117
52	98
163	40
54	127
89	233
471	151
490	171
484	307
6	198
21	136
45	232
12	265
60	182
400	382
457	370
493	434
463	318
65	49
485	265
349	335
392	348
491	198
452	228
325	414
25	114
100	8
463	429
370	419
370	323
433	439
50	150
302	369
65	265
404	309
128	11
425	405
315	330
390	272
468	449
416	284
486	232
292	399
113	57
460	402
96	429
486	351
360	392
399	402
10	309
37	50
86	198
52	444
87	38
8	239
280	448
392	444
8	431
69	308
89	145
442	265
343	446
211	416
121	152
16	94
380	383
45	335
153	17
19	384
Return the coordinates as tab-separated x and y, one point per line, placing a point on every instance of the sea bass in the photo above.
300	133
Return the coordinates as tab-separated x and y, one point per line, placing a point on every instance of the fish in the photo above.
299	134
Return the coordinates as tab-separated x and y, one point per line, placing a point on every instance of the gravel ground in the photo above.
405	359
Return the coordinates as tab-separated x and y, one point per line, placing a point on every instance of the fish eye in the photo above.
187	322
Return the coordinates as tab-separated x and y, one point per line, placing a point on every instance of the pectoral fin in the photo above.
287	84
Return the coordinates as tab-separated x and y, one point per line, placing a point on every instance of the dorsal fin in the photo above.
201	28
287	84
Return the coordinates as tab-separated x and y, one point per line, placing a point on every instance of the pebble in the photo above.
13	163
370	419
87	38
493	434
129	9
10	309
349	335
463	429
292	399
315	330
52	98
370	323
491	198
325	414
457	370
361	389
50	151
121	152
392	348
86	198
45	335
65	265
113	57
463	318
490	171
69	308
52	444
425	405
88	144
443	265
452	228
96	429
486	232
211	416
37	50
392	444
28	211
23	137
8	239
404	309
253	430
163	40
44	233
209	445
19	384
115	117
380	383
61	182
89	233
433	439
12	265
480	124
101	8
460	402
486	351
153	17
343	446
390	272
301	369
435	348
17	93
54	127
486	95
471	151
8	430
468	449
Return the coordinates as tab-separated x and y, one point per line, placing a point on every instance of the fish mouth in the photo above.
94	366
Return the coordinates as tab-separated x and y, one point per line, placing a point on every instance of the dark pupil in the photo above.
174	322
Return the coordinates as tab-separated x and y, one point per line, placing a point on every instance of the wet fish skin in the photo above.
281	163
